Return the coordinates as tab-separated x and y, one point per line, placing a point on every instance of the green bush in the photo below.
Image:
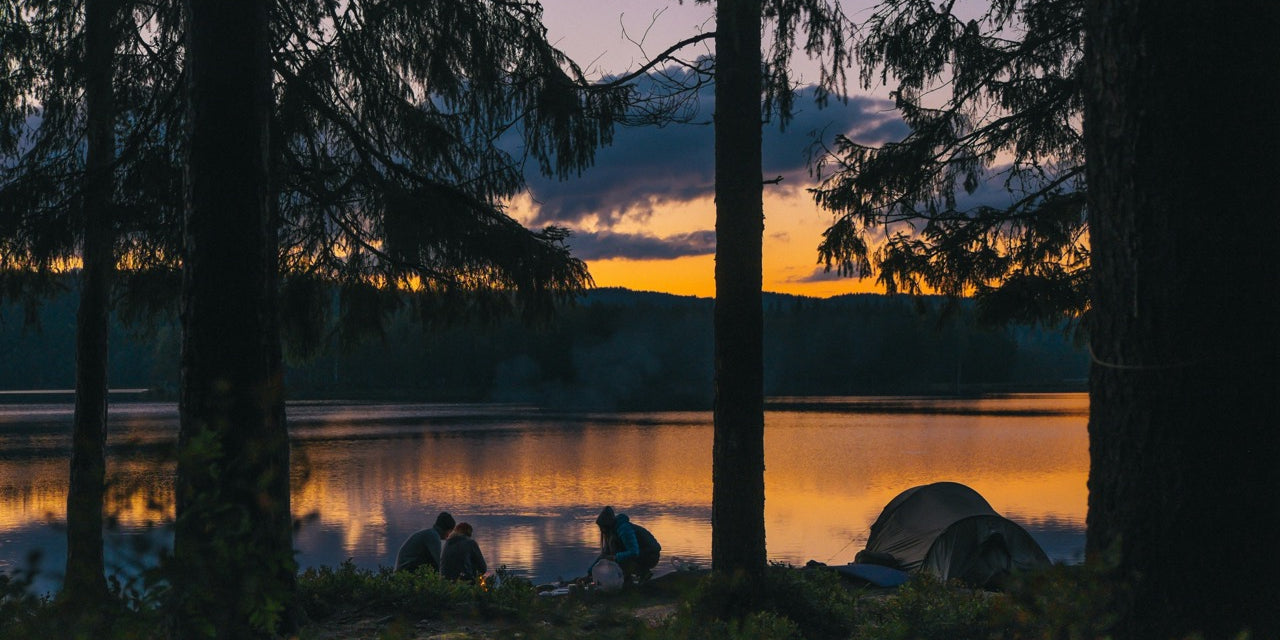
324	591
813	602
786	603
761	625
121	616
1060	603
924	609
1064	602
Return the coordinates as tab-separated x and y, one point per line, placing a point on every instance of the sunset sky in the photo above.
644	216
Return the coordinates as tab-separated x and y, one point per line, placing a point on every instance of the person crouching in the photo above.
628	544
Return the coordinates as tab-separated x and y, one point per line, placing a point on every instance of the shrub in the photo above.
324	591
812	602
1064	602
761	625
924	609
120	617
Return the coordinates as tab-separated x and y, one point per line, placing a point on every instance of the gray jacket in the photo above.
421	549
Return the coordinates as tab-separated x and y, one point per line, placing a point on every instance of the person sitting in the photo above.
461	558
422	549
628	544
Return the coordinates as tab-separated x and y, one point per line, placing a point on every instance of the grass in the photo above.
326	592
787	603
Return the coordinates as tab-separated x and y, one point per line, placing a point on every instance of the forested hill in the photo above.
614	349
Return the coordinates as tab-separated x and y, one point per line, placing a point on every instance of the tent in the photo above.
949	530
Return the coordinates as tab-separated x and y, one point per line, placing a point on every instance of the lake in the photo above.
531	481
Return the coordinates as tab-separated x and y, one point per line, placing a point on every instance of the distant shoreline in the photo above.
871	402
56	392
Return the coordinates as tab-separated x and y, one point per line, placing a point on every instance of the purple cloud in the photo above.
819	274
603	245
647	167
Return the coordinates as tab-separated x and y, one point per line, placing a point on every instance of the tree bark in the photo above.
1184	392
234	568
737	506
85	583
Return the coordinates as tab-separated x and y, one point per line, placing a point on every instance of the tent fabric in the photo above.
875	574
949	530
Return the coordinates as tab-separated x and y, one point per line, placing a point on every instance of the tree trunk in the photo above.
1184	422
86	583
737	506
234	567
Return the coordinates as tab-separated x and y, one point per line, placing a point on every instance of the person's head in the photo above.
444	522
606	519
461	529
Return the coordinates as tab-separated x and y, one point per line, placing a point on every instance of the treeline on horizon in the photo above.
614	349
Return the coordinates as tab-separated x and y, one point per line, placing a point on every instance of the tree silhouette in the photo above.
61	202
985	194
745	74
389	162
394	155
384	171
85	571
737	505
233	568
1183	391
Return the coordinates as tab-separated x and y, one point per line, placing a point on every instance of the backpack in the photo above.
645	540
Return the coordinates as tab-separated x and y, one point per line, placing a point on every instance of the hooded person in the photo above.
423	548
628	544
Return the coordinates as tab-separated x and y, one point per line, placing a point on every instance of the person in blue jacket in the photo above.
628	544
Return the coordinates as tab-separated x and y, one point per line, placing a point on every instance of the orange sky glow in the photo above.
645	176
793	228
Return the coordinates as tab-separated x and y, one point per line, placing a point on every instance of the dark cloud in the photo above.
647	167
992	190
603	245
819	274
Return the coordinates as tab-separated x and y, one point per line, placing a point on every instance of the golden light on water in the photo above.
32	493
532	486
819	498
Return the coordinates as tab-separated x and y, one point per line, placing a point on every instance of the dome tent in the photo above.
950	531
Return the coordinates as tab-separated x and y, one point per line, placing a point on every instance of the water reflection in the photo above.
531	482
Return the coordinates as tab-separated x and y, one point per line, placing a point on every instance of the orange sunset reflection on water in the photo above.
531	481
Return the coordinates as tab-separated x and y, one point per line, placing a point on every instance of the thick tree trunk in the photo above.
737	506
234	567
1184	421
85	574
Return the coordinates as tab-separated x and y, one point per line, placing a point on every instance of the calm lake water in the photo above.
531	481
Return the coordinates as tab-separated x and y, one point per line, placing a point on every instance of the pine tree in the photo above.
85	582
383	172
752	84
1183	390
737	504
388	162
233	566
985	195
